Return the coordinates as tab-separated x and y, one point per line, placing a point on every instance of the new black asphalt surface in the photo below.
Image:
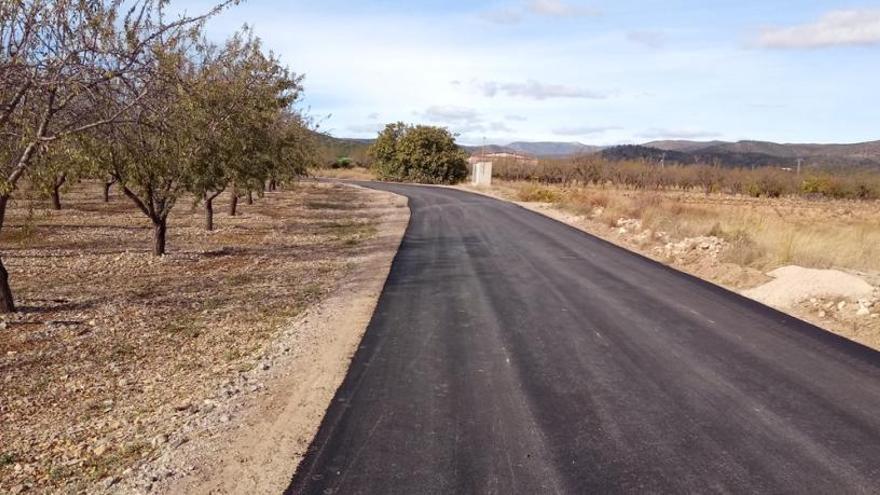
512	354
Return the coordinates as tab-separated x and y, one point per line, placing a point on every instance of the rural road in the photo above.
510	354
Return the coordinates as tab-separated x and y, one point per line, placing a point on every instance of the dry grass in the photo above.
354	173
764	232
114	347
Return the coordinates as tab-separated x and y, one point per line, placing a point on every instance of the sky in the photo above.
597	72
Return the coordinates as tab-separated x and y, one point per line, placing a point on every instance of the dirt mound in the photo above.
793	284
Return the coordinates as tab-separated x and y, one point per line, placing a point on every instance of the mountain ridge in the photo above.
745	153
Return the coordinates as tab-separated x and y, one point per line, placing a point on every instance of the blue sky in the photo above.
600	72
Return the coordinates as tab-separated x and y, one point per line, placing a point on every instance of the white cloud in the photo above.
558	8
583	131
657	133
364	128
835	28
516	118
536	90
503	16
451	114
544	8
499	127
373	116
652	39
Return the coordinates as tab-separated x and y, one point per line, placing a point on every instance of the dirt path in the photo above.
300	373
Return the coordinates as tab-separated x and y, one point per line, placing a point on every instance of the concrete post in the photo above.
482	175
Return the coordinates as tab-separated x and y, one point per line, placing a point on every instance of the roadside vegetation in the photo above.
771	217
421	153
764	182
764	233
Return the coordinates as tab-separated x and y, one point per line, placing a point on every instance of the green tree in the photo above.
240	102
421	153
60	62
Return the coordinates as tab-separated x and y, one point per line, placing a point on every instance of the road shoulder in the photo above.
259	452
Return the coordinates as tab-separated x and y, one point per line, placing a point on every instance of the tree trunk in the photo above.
273	185
107	186
233	205
56	198
160	227
7	303
209	213
3	200
56	191
250	197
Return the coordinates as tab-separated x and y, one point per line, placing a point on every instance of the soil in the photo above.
118	359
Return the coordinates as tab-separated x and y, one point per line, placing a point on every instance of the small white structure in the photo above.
482	174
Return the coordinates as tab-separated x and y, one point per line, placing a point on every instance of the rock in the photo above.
266	366
100	450
110	481
178	442
863	311
15	490
822	314
159	440
841	305
183	406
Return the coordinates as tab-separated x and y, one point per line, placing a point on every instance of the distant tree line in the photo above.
639	174
121	92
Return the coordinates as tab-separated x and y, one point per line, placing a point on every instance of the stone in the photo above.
159	440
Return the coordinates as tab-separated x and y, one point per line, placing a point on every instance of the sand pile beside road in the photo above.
793	284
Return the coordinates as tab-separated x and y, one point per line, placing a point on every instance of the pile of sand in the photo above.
793	284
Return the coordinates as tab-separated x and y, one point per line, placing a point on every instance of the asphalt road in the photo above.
511	354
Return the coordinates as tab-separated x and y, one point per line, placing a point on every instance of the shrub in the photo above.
537	194
422	154
342	162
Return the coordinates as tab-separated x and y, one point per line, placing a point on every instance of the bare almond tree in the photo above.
60	62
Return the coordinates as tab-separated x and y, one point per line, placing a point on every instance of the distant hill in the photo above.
681	145
332	148
729	154
550	148
489	148
647	153
762	153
